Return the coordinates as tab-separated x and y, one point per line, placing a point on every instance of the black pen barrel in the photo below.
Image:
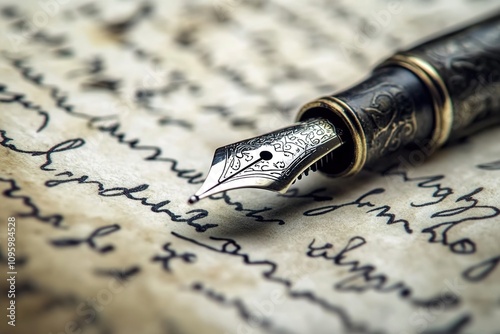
440	90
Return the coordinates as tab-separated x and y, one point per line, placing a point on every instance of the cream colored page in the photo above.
110	112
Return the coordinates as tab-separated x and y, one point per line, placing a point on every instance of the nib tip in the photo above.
193	199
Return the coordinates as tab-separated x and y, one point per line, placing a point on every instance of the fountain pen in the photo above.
443	89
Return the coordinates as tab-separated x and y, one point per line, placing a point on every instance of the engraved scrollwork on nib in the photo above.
272	161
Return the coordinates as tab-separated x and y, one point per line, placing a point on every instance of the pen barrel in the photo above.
438	91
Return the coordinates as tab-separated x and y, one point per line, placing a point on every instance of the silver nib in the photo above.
272	161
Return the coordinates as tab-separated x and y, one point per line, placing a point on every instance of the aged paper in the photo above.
110	112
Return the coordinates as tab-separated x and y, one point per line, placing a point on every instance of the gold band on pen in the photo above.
349	117
443	108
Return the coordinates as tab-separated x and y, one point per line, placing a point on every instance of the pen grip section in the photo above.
387	111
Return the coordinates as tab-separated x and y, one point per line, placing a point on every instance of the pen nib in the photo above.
272	161
193	199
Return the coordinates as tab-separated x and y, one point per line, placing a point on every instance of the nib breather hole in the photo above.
266	155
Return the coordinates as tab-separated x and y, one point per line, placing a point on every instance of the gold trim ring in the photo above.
443	108
347	115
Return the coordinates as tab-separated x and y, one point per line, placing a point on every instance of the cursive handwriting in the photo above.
361	202
130	193
230	247
172	254
480	271
90	240
364	277
34	211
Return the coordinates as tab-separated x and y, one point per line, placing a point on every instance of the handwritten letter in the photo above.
110	112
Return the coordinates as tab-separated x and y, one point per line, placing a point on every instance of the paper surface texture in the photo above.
110	112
